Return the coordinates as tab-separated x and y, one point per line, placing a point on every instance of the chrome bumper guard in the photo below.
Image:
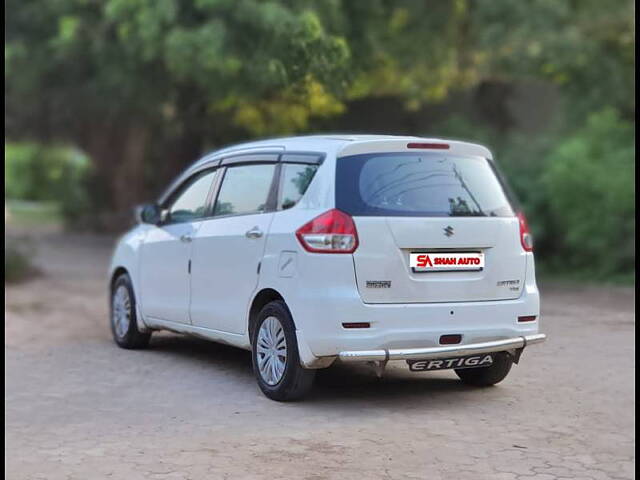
429	353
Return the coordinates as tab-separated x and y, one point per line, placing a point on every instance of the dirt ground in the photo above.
77	407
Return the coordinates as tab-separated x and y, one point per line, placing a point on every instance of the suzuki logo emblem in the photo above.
448	230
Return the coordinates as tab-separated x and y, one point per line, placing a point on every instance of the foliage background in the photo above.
106	100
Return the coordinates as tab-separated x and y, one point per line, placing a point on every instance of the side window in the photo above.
294	182
191	202
244	189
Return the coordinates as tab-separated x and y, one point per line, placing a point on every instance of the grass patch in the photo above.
24	213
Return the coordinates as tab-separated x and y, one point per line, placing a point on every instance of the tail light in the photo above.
331	232
526	239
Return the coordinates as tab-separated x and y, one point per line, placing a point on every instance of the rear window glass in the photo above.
419	184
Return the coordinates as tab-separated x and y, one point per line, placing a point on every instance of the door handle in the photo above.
186	238
255	232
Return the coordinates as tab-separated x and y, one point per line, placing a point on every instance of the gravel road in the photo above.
77	407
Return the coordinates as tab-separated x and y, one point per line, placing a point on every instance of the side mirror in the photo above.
149	213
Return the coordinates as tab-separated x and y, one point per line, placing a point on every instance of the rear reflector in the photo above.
430	146
529	318
450	339
356	325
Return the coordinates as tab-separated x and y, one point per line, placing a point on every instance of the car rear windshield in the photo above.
419	184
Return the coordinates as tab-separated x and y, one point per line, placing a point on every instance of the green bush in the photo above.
590	186
522	159
44	173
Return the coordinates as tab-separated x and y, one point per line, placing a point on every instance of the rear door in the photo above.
433	204
228	247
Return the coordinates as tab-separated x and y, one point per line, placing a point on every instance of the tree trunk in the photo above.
128	185
118	153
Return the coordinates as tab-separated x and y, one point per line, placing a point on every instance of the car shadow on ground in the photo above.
338	383
202	352
358	382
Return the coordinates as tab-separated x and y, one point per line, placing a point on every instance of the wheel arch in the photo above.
117	272
262	298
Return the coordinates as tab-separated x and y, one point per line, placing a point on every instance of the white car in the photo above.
358	248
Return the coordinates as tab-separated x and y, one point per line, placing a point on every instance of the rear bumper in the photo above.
395	329
402	327
441	352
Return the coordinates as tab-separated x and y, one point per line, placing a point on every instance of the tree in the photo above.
144	86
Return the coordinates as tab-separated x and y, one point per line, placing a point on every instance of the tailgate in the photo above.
384	274
440	204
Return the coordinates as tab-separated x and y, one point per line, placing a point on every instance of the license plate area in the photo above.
468	361
424	262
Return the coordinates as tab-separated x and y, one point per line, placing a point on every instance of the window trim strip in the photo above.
268	155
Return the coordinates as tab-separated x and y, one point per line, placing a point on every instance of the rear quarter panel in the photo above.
301	277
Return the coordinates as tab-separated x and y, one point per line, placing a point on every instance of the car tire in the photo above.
487	376
123	316
276	362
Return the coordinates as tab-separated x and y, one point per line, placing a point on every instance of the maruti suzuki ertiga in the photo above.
310	250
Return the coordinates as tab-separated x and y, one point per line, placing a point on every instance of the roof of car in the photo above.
340	145
346	144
